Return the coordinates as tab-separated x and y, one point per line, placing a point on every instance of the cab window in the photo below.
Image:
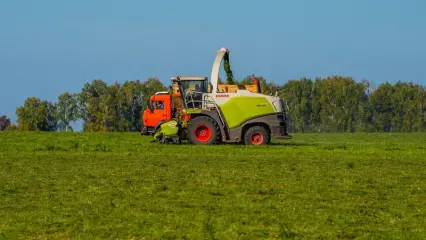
195	85
157	104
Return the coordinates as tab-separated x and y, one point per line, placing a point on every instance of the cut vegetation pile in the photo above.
93	185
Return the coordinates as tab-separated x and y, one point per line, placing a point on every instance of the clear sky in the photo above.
50	46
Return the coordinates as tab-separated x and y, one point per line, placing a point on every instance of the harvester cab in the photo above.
212	117
193	87
190	83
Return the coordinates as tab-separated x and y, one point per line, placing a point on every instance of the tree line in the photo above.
331	104
102	107
340	104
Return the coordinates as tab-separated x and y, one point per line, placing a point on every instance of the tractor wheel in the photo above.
203	130
257	135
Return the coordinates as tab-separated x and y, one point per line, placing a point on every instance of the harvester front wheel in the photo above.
203	130
257	135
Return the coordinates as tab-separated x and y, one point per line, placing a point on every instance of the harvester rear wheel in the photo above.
203	130
257	135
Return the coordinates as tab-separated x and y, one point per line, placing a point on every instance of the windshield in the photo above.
194	85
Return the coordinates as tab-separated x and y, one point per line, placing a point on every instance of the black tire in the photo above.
257	135
203	130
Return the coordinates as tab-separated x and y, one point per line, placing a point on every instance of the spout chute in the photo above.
222	54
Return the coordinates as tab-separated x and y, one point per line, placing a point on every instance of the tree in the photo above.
90	105
67	110
383	108
298	95
112	105
333	104
150	87
4	123
37	115
132	93
338	104
406	100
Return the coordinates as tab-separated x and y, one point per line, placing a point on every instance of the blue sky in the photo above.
48	47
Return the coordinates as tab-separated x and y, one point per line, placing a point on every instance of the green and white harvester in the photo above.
213	117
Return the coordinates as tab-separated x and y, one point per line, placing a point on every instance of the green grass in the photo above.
121	186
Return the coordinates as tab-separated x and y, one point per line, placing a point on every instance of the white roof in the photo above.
188	78
161	93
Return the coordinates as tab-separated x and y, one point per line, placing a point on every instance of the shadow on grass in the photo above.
274	144
293	144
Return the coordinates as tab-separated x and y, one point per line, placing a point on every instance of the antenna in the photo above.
276	92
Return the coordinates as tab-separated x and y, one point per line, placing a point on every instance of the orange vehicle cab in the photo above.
159	110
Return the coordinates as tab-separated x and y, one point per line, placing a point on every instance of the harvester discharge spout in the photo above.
222	54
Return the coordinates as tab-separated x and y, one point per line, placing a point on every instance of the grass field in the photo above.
121	186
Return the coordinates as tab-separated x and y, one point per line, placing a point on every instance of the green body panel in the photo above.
168	128
240	109
192	111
